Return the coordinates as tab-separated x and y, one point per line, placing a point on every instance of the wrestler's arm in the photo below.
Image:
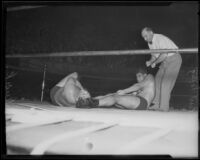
103	96
137	86
153	58
130	89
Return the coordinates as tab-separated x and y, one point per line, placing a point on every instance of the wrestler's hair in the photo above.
142	70
148	29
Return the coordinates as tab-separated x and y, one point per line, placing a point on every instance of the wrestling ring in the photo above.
42	129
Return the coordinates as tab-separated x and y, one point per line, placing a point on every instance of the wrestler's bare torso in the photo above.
147	89
70	89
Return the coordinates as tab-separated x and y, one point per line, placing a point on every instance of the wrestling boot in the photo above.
83	103
87	103
93	102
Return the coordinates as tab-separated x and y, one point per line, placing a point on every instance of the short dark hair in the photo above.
141	70
148	29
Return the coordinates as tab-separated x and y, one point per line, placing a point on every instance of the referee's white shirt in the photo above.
160	41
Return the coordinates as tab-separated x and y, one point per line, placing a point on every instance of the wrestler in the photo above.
69	91
138	96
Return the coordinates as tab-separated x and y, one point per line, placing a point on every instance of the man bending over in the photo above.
69	92
138	96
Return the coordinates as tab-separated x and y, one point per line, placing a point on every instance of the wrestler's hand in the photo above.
153	65
148	63
120	92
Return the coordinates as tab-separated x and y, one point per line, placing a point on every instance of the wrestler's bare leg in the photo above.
110	94
127	101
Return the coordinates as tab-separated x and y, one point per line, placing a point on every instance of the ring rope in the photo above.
105	53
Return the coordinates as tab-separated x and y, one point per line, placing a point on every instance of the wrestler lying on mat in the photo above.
68	91
139	96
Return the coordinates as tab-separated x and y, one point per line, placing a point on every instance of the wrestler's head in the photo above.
147	34
141	74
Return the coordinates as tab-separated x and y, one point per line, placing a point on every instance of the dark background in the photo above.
83	27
